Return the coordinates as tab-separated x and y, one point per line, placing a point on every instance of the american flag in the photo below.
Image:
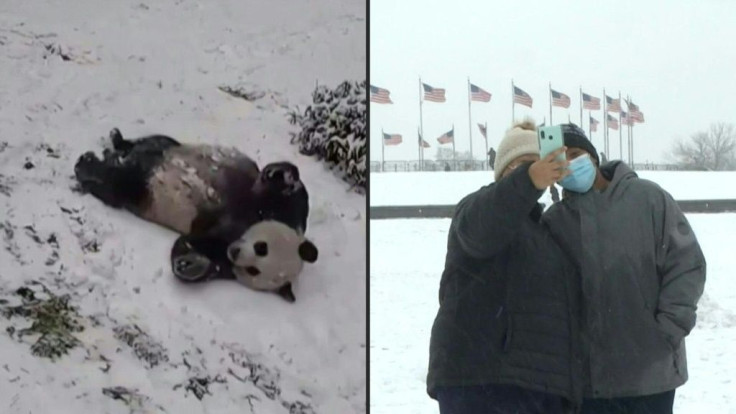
433	94
391	139
636	114
560	99
380	95
593	124
591	102
483	130
613	105
626	119
478	94
422	142
522	98
447	137
612	122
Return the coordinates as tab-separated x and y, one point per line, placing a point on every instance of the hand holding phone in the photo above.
549	170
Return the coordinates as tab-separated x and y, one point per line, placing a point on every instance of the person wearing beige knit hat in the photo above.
505	337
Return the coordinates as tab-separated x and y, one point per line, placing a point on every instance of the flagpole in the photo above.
485	138
620	131
550	104
631	137
512	102
419	147
470	122
605	123
454	161
628	140
421	127
590	126
383	152
580	96
632	140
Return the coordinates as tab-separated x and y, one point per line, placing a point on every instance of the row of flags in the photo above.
382	95
559	99
446	138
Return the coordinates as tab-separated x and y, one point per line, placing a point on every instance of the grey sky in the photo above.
676	59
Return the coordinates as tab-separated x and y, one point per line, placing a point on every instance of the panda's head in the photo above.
270	255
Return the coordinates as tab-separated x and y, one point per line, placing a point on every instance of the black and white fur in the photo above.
209	194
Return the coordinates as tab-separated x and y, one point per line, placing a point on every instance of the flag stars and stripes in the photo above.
612	122
433	94
613	105
380	95
447	137
422	142
479	94
560	99
591	102
391	139
483	130
522	98
593	124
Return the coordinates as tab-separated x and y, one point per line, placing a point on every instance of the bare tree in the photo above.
711	150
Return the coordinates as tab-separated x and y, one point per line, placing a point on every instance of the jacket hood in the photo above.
616	172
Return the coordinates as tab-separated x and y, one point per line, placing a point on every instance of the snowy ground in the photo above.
70	72
407	258
429	188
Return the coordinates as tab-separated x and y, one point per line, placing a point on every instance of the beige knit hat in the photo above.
519	140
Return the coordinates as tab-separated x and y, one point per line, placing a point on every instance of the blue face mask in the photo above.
582	175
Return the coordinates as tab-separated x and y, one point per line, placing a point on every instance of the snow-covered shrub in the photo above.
333	129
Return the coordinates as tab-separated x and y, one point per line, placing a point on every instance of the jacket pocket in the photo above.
652	318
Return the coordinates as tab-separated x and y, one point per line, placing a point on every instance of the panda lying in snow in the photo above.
235	221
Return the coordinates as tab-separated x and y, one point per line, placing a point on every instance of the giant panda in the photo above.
208	194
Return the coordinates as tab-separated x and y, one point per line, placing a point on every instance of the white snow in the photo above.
406	263
430	188
155	67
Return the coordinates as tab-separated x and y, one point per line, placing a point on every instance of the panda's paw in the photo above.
86	167
191	267
287	293
282	176
116	137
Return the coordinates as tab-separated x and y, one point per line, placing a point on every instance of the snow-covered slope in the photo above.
71	71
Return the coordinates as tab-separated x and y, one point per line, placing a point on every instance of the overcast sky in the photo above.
676	59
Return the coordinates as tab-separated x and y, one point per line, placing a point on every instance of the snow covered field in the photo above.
70	72
407	258
429	188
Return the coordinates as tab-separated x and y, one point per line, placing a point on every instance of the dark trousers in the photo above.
498	399
647	404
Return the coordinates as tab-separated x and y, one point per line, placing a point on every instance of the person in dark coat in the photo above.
491	157
642	271
504	339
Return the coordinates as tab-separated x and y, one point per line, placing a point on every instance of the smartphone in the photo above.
550	139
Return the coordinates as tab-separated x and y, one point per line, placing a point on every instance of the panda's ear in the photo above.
308	251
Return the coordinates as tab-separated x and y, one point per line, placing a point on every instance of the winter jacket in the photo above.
508	301
642	273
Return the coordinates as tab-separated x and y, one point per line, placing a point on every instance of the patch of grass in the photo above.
145	348
52	318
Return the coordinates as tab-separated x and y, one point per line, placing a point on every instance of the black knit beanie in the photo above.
575	138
